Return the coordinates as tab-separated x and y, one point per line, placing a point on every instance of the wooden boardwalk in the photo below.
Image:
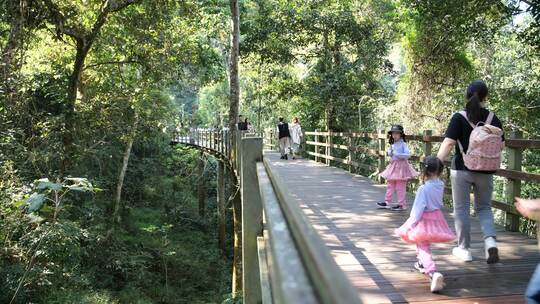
341	207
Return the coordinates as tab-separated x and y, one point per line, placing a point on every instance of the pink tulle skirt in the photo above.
399	170
432	228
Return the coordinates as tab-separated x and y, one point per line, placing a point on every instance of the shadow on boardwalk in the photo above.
341	207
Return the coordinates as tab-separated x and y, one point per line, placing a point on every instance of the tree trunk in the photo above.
73	87
237	249
234	96
84	41
221	206
123	170
201	189
234	100
17	12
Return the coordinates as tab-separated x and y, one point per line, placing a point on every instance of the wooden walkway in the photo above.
341	207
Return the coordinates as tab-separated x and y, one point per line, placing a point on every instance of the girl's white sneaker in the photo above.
462	254
437	282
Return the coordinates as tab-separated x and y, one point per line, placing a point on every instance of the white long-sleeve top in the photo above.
429	197
296	133
399	150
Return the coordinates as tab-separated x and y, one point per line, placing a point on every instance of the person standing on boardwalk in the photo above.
426	223
531	208
398	171
242	124
296	136
469	169
284	137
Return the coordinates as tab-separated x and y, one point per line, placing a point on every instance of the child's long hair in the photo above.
391	139
432	166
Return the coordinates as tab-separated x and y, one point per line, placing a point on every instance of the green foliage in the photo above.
153	65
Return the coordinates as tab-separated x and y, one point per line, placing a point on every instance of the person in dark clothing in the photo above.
459	130
284	138
242	124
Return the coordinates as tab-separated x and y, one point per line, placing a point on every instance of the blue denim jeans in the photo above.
533	290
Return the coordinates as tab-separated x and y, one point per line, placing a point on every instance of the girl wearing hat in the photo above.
398	171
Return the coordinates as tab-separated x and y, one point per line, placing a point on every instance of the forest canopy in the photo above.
96	204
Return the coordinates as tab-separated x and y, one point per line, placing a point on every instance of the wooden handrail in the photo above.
289	280
330	282
513	173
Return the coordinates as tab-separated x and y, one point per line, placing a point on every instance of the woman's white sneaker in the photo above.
437	282
492	253
462	254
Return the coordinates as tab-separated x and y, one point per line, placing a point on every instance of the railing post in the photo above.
252	225
328	147
513	186
271	140
428	146
275	136
222	141
382	157
219	138
349	145
238	150
316	147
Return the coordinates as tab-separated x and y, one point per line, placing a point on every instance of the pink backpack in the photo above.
485	146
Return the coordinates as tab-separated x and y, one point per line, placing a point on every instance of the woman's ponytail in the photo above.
476	94
473	109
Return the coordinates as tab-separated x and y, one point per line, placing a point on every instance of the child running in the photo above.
426	223
398	171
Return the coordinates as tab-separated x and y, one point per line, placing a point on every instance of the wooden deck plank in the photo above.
341	207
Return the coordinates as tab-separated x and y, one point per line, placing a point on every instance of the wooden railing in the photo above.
284	259
513	172
215	141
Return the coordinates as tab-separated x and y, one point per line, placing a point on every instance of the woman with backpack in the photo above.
479	138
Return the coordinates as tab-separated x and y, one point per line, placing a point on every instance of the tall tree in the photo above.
234	100
84	38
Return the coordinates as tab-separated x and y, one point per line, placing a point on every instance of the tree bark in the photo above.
84	40
17	11
234	100
221	206
201	189
237	246
234	82
83	47
123	170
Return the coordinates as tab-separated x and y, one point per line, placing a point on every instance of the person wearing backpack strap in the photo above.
480	139
284	135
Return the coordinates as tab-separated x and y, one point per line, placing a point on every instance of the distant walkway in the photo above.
341	207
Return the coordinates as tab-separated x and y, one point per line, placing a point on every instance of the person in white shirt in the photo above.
296	136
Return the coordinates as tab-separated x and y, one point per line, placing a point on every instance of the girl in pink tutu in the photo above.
398	171
426	223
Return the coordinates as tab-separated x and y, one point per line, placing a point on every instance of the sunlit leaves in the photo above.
35	201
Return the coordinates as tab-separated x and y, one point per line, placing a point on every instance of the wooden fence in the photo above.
324	146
